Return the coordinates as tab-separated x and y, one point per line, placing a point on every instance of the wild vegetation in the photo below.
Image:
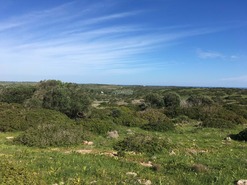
64	133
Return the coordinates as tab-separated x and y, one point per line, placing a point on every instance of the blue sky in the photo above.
144	42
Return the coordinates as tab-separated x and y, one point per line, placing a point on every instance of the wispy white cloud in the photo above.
69	40
237	79
209	54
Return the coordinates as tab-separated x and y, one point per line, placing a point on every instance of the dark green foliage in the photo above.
238	109
152	115
48	84
11	173
70	99
154	100
142	143
218	123
57	99
17	94
98	126
116	113
126	117
14	117
197	113
174	112
103	114
171	100
72	102
199	100
202	113
46	135
181	119
159	126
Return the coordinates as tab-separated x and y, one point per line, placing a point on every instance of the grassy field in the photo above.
57	133
198	156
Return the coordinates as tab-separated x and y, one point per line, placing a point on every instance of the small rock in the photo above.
129	131
93	182
84	151
111	154
113	134
228	139
199	168
88	142
132	174
241	182
172	153
144	181
148	164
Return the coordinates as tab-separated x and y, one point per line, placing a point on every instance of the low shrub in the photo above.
159	126
217	123
46	135
98	126
11	173
152	115
181	119
142	143
17	93
14	117
126	117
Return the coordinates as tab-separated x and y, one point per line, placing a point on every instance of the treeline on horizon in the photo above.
54	105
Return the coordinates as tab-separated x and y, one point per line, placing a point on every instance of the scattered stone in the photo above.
10	137
93	182
241	182
129	131
172	153
113	134
148	164
131	153
199	168
132	174
144	181
88	142
84	151
227	138
156	167
196	151
111	154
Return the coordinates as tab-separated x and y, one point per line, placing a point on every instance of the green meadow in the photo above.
62	133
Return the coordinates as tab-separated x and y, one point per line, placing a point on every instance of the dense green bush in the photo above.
72	102
217	123
98	126
152	115
238	109
171	100
126	117
181	119
101	114
159	126
199	100
154	100
46	135
12	173
142	143
14	117
17	93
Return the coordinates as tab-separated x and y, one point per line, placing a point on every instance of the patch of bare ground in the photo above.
96	103
137	101
121	103
195	151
